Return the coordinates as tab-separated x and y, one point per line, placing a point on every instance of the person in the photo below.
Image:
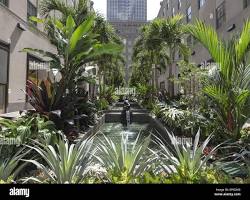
126	112
126	105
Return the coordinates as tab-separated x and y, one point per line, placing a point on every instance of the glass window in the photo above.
4	2
189	14
179	4
246	3
2	98
4	56
31	11
38	70
168	4
220	15
173	12
201	3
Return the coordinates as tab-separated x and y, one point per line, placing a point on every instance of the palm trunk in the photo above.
230	122
170	82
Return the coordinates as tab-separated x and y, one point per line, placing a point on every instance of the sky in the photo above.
153	7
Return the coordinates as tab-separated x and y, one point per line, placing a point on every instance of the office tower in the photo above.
127	16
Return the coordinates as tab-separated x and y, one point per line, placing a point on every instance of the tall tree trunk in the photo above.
170	82
230	121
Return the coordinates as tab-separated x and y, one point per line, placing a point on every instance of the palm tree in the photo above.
147	52
107	62
172	34
160	41
76	46
80	9
230	90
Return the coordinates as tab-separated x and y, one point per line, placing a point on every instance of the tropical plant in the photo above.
29	126
108	93
10	167
236	162
157	110
229	90
245	135
182	121
102	104
159	41
76	46
74	106
108	62
189	79
124	163
64	163
184	161
80	10
110	66
146	95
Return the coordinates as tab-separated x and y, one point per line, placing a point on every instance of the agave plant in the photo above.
122	162
185	160
65	163
10	167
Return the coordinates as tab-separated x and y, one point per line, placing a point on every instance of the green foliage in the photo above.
182	120
64	163
108	93
123	162
229	90
156	110
236	163
102	104
207	176
76	46
10	167
184	162
146	95
245	135
156	45
29	127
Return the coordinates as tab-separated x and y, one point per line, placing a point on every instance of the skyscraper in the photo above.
127	10
127	16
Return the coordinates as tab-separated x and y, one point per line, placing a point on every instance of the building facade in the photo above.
17	32
127	10
226	16
16	67
127	16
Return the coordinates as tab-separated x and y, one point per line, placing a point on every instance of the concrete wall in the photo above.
17	40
